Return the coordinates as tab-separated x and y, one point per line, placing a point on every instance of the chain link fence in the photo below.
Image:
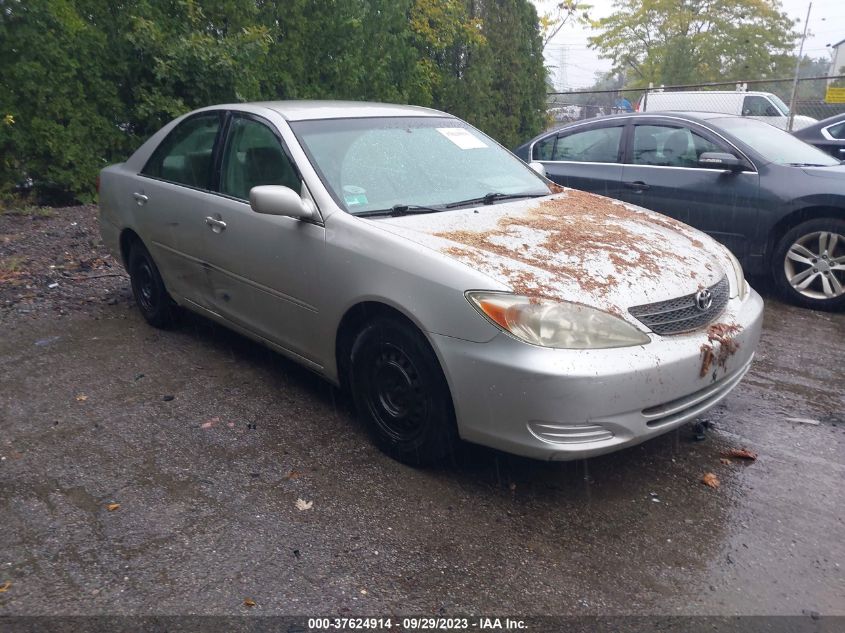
766	99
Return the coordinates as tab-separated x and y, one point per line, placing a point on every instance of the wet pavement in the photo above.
208	442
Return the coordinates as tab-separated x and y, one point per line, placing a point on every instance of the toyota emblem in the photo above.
703	299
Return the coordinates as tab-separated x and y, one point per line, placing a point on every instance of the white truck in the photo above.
764	106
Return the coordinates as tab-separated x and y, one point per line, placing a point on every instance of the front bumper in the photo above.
568	404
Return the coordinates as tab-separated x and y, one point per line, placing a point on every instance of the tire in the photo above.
400	393
151	297
808	265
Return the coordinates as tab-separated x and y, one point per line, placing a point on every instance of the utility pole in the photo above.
797	68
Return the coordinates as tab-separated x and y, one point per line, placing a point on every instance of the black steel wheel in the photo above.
400	393
808	264
155	304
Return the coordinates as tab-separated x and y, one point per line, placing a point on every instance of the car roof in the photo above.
678	114
306	110
691	115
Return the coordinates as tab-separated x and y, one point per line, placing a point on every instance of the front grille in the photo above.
682	315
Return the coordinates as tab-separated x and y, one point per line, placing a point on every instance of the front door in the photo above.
663	175
264	269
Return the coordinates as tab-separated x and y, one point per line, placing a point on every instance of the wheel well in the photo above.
127	238
353	322
795	218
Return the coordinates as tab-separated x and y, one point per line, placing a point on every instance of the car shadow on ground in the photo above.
676	455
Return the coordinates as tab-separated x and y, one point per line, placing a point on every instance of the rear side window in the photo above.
593	146
185	156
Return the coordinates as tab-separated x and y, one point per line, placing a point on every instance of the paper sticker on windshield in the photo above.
462	137
355	199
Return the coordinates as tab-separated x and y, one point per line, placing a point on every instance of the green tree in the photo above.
692	41
63	111
84	82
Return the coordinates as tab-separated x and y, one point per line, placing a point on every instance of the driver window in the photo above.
754	105
544	149
670	146
253	157
594	146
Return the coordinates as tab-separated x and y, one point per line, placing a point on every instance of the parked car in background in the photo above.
763	106
828	135
404	255
776	202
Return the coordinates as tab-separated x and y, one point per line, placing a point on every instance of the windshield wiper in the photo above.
807	165
398	209
490	198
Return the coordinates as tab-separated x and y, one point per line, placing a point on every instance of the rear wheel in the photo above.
400	393
152	298
808	264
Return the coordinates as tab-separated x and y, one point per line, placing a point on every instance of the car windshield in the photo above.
773	144
780	105
370	164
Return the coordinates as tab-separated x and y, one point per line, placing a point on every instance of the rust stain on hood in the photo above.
575	246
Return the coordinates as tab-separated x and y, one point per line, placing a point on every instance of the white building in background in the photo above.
838	58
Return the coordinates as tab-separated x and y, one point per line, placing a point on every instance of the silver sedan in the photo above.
453	290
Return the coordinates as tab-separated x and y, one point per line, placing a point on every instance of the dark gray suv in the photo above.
775	201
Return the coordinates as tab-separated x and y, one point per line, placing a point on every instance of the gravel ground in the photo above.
151	472
52	261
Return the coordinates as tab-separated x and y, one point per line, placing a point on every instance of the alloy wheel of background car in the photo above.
153	300
809	264
401	394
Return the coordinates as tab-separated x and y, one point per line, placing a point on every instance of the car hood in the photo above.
574	246
803	121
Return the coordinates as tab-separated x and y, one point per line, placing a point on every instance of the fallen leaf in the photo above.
209	423
741	453
711	480
294	474
249	602
5	586
81	397
302	504
810	421
725	461
112	507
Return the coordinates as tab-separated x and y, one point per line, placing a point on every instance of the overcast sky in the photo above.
827	26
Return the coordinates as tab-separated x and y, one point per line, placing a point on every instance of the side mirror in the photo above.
278	200
720	160
538	167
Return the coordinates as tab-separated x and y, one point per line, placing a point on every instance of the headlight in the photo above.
555	324
741	284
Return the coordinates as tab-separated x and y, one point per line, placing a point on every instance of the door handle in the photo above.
638	185
140	198
216	225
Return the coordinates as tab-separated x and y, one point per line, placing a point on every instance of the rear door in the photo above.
585	157
662	174
173	195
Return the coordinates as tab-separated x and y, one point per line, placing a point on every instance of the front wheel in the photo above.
400	393
808	265
152	298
